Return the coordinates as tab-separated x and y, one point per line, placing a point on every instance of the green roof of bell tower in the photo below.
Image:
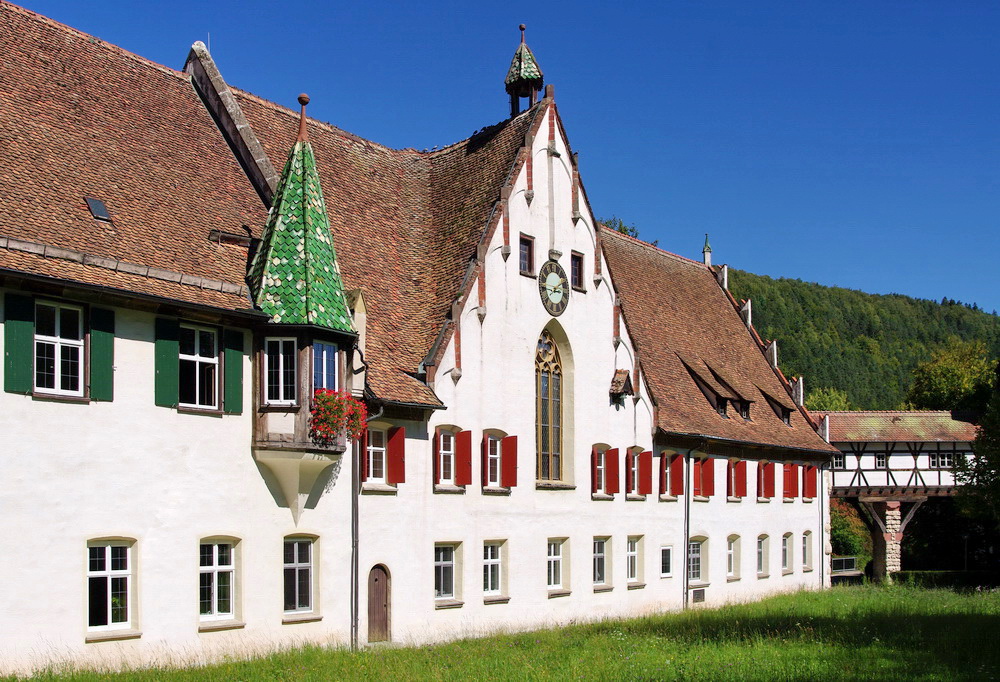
294	276
524	72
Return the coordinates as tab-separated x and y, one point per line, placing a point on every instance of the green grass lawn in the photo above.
843	633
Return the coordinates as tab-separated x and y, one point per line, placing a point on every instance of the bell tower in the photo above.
524	78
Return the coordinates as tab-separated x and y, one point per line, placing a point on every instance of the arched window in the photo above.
548	401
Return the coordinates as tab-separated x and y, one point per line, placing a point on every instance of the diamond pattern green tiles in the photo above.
523	67
294	276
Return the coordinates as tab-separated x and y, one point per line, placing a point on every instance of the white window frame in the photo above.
446	455
59	343
200	360
839	461
807	550
102	550
695	557
633	472
445	571
668	551
554	564
600	572
324	353
299	566
213	570
493	568
600	471
786	553
494	460
288	393
762	558
633	559
881	460
377	455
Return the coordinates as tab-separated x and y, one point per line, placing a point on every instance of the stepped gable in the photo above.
895	426
674	308
405	225
81	118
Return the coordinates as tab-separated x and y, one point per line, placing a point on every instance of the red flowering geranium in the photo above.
336	412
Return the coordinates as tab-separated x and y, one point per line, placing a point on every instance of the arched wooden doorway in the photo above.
378	604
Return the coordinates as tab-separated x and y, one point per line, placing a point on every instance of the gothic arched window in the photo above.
548	415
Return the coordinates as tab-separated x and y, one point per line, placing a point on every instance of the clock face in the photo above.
553	287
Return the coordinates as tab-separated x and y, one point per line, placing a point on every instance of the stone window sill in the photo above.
205	412
761	576
496	600
807	569
808	500
697	585
368	488
764	499
786	571
449	489
733	498
636	586
668	498
598	589
293	618
216	625
700	498
448	604
526	273
559	593
112	635
635	497
580	289
496	491
732	579
601	496
787	500
553	485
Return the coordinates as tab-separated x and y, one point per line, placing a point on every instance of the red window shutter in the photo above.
809	481
793	481
396	453
593	471
508	462
786	485
437	456
611	471
741	478
629	468
769	480
730	478
677	475
363	446
708	477
646	472
484	460
463	458
696	478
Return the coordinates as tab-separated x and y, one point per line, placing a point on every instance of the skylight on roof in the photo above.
98	209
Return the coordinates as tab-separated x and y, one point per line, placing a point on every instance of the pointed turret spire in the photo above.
706	251
524	77
294	275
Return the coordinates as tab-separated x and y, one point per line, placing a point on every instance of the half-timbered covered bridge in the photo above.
890	459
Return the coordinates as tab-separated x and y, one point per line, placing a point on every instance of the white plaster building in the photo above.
565	423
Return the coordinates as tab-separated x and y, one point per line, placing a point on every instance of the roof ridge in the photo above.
92	39
496	126
641	242
948	412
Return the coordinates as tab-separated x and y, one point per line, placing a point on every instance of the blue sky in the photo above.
847	143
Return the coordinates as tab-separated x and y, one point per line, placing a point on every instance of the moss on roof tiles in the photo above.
294	275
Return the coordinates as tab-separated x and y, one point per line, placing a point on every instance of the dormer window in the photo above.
786	416
720	406
745	409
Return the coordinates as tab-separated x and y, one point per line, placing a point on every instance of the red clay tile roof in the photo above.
405	225
621	383
890	426
673	307
80	118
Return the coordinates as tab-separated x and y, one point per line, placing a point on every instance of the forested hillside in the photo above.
864	344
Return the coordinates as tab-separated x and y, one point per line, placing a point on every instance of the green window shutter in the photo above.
167	362
102	354
18	343
232	362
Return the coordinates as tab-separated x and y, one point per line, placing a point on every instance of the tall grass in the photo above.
843	633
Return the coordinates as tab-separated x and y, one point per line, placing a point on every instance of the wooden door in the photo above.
378	604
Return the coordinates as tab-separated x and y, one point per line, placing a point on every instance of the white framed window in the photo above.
839	461
493	451
109	585
492	568
762	551
633	472
554	564
786	553
880	460
444	571
199	367
942	460
446	456
601	561
58	349
217	580
298	578
696	560
633	559
280	371
325	366
733	557
666	561
807	550
376	455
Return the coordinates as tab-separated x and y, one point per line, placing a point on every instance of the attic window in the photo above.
745	409
720	406
786	416
98	209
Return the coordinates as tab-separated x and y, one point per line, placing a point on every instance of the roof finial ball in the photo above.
524	77
303	100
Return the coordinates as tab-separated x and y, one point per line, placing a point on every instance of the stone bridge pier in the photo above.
886	523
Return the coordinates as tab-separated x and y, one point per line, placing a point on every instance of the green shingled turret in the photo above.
524	75
294	276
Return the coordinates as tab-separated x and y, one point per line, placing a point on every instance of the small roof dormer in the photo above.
524	77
